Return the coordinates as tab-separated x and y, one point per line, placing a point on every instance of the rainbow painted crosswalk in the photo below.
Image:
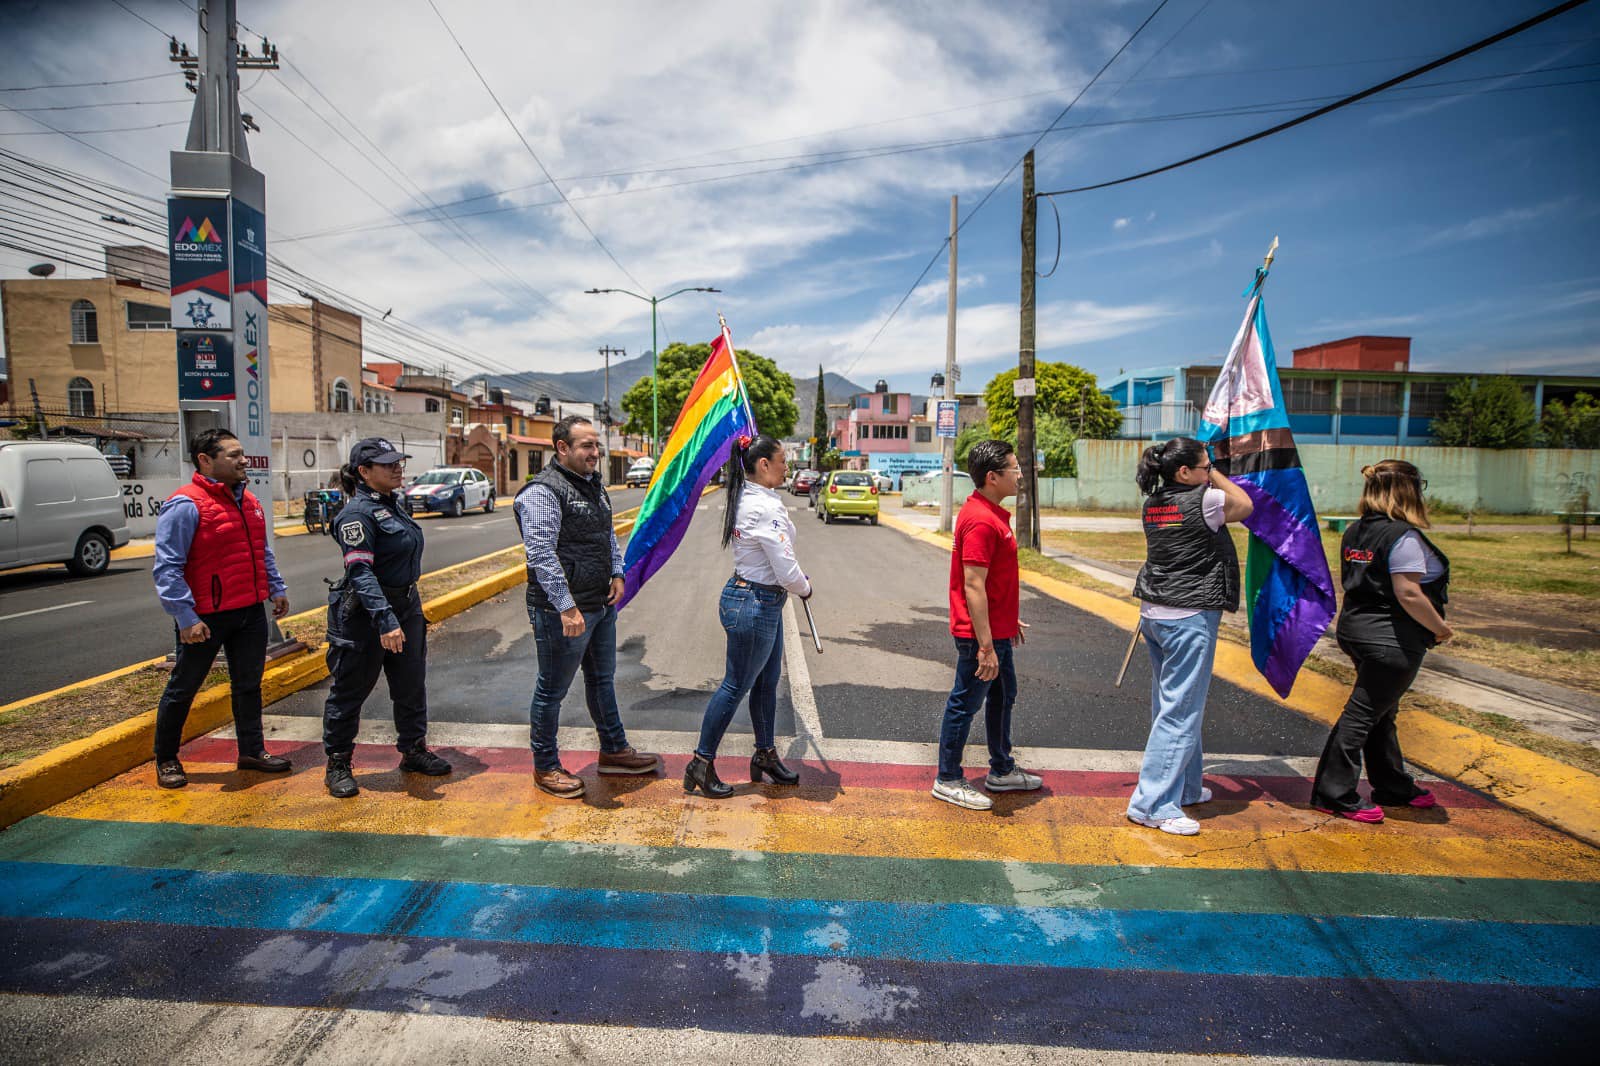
853	906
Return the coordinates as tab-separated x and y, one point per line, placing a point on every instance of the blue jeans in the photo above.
1181	654
560	656
966	696
753	619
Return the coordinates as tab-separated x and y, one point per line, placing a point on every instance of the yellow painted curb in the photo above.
1551	792
453	603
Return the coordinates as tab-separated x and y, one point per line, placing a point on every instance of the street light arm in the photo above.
691	288
625	292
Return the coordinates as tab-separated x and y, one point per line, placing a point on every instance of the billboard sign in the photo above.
197	258
205	366
948	418
250	339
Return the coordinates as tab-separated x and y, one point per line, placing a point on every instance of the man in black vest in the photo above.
574	582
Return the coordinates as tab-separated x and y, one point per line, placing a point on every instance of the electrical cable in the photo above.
1478	46
84	84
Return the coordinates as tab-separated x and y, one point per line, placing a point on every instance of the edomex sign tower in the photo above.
217	251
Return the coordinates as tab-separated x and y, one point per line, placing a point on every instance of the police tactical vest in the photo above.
584	545
1188	565
1371	614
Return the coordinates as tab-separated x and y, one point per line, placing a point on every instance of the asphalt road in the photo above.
884	674
57	629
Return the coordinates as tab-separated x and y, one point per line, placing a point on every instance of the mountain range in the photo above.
588	386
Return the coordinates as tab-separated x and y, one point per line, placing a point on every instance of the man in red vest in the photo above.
213	572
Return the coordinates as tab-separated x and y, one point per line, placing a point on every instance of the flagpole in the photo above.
744	393
1266	267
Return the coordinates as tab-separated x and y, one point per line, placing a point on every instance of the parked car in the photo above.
848	492
803	480
59	503
638	475
924	490
882	480
451	490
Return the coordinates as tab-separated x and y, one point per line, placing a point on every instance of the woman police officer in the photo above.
375	621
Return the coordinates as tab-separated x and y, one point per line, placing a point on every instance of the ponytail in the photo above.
349	479
1161	462
742	461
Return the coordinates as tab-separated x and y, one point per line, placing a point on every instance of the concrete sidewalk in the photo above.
1552	709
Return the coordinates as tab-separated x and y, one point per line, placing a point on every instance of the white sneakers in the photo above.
1018	780
1178	827
961	793
1205	797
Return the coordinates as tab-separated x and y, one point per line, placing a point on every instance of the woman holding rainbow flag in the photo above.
765	571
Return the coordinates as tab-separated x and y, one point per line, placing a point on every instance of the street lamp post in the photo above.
655	385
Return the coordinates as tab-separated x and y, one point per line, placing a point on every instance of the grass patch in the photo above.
37	728
1028	559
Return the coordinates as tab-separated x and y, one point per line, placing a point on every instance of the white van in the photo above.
59	503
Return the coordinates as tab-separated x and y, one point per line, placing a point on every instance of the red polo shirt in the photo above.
983	538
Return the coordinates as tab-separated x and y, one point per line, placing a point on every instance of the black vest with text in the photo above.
1187	564
584	545
1371	614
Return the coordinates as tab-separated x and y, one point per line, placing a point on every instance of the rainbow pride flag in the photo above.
715	413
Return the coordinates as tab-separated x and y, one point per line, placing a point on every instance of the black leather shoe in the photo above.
340	781
266	762
765	761
702	775
169	774
419	760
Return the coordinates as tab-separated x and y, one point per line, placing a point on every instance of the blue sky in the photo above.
1463	215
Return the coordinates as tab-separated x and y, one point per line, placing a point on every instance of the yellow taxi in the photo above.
848	493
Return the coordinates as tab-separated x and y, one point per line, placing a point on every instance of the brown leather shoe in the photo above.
266	762
558	782
169	774
628	761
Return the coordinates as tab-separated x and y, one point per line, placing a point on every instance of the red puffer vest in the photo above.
227	565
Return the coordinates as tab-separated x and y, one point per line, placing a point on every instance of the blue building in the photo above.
1359	390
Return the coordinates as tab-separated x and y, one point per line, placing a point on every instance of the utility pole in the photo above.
606	353
1026	387
217	258
947	487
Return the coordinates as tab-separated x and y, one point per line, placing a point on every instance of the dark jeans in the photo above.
753	619
560	656
243	633
355	672
1366	728
966	696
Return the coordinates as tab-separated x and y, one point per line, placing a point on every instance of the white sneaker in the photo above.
1178	827
1205	797
1018	780
962	794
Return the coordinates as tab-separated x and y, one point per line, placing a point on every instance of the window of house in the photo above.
889	400
924	434
431	406
85	323
513	464
1369	398
80	397
1429	399
1308	396
149	316
340	397
1198	388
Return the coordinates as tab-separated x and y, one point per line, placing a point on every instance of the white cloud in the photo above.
1120	223
1493	225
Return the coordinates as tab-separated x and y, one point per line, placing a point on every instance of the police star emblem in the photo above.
199	312
352	533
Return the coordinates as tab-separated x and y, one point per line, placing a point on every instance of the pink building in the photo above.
877	422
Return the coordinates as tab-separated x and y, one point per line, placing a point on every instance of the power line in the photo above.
84	84
1545	16
81	133
1003	179
96	106
543	169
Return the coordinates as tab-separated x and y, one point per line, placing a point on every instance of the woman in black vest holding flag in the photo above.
1395	584
1190	576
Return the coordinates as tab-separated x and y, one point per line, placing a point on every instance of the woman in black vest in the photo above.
1190	576
1394	595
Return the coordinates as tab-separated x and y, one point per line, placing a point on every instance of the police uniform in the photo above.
382	549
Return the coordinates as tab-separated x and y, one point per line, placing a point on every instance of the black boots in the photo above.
765	761
702	774
419	760
340	781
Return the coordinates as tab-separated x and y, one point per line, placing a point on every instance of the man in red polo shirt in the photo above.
984	622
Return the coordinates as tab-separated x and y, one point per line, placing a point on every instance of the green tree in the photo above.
1574	425
819	417
1052	435
1069	393
1486	412
829	460
771	390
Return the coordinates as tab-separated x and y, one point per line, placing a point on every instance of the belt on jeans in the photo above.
398	592
746	583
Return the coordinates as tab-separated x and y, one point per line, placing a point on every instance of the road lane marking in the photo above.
801	694
45	610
